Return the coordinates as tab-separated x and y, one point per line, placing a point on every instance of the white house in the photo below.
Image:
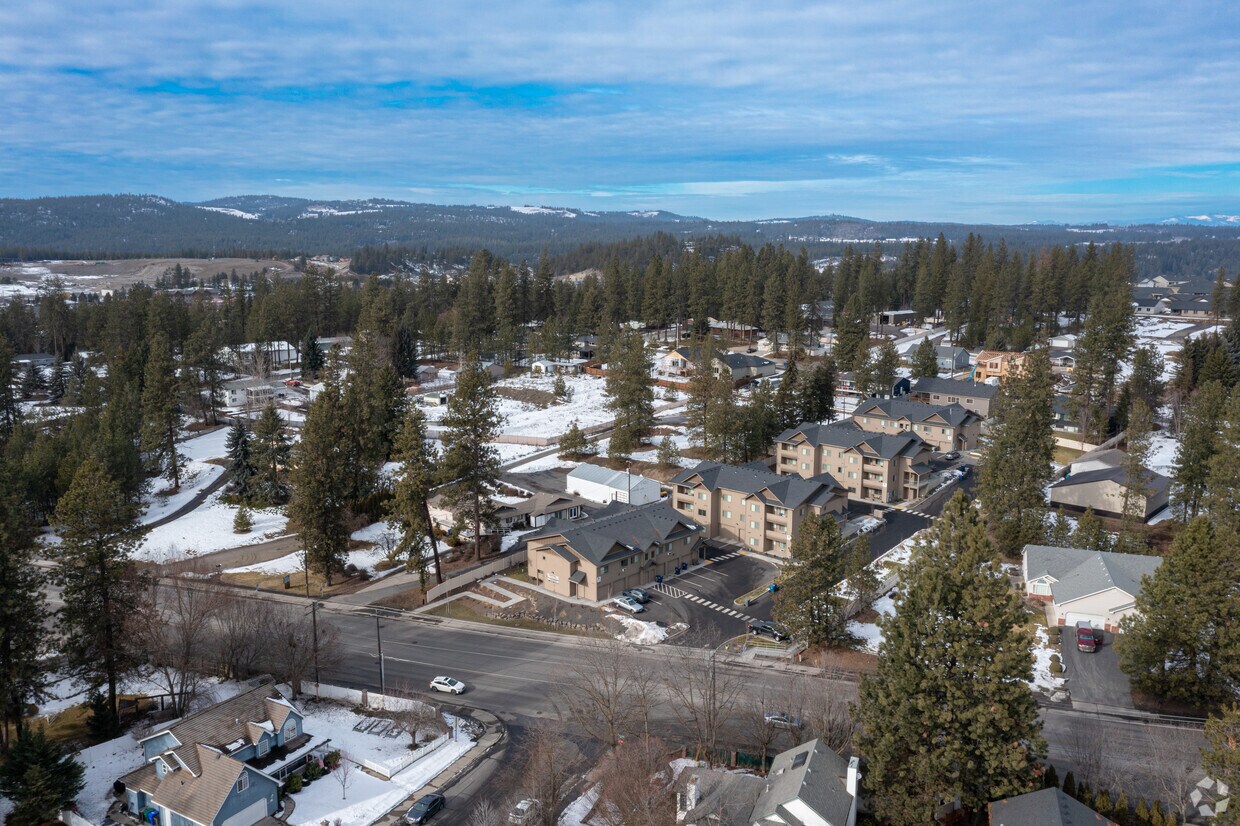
603	485
1082	585
249	393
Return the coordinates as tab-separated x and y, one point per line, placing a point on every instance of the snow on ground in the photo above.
208	528
1042	651
682	442
66	692
1162	333
103	764
639	631
545	463
576	812
510	453
195	476
587	406
213	445
1162	453
869	632
365	559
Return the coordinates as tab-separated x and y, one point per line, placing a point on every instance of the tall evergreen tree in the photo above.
1091	533
10	410
100	586
240	460
886	366
851	332
1146	382
321	485
1197	445
1181	641
39	778
1223	479
312	360
409	508
271	450
470	465
1016	459
926	359
23	609
816	393
806	603
949	715
162	415
630	394
787	399
1136	460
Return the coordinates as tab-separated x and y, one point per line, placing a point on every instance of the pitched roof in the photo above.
934	384
850	434
615	479
1048	807
540	503
736	360
1079	572
812	774
788	490
619	529
1154	483
953	414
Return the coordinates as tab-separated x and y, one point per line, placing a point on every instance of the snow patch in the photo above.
638	631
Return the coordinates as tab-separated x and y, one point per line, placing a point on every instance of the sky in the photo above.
982	112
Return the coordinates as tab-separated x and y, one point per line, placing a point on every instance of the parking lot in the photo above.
703	598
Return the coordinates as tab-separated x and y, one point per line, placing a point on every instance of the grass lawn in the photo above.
1066	455
297	582
72	725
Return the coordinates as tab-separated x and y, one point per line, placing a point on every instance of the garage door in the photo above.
1094	620
249	815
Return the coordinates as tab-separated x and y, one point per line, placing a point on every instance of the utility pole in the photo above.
314	621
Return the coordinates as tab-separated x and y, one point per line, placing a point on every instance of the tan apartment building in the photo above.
753	505
970	395
943	427
873	467
623	546
997	364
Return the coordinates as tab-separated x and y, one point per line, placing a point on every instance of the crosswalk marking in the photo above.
671	590
680	593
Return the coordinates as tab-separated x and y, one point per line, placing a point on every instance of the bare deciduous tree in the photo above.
241	623
825	707
636	785
290	646
486	813
1178	769
344	774
703	695
755	731
608	690
549	756
175	630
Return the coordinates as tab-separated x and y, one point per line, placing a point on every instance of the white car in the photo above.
629	604
448	685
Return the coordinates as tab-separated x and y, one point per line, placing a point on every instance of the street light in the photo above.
314	621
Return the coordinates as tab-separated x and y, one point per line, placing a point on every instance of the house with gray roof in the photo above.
623	546
951	358
753	505
968	394
943	427
1100	481
217	767
873	467
1047	807
1098	587
739	367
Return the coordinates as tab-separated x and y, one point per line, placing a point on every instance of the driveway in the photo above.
1095	678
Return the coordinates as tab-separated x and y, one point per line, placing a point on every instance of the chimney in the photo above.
854	775
688	801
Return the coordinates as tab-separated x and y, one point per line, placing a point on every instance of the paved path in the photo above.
198	499
241	555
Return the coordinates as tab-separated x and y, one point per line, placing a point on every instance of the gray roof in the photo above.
1079	572
812	774
735	360
949	351
1155	483
934	384
953	414
849	434
1048	807
788	490
618	530
606	476
725	798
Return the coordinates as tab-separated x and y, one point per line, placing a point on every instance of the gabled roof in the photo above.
1048	807
811	774
1155	484
788	490
918	412
1079	572
850	434
618	530
738	360
615	479
934	384
541	503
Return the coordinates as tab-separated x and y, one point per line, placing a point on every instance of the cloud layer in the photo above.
1020	111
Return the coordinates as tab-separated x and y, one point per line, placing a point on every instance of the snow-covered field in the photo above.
365	559
208	528
587	406
1160	332
103	764
195	477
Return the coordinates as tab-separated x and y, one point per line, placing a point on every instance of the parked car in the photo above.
751	349
782	719
629	604
428	806
1086	638
965	470
870	525
638	594
524	812
952	455
448	685
292	382
763	628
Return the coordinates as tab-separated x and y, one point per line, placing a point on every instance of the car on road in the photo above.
639	594
448	685
751	349
869	525
951	455
524	812
629	604
782	719
763	628
428	806
1086	637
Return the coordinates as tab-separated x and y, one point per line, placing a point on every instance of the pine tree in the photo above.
39	778
1016	459
100	587
32	380
806	603
56	383
1121	811
1197	445
1051	778
630	394
10	411
1091	533
668	454
816	398
788	397
949	714
574	444
1222	499
1059	533
240	460
1180	641
23	609
162	416
1136	489
312	360
243	522
758	424
1142	813
886	367
405	352
851	332
1221	757
321	485
559	389
409	509
1069	784
271	450
926	359
1146	382
470	466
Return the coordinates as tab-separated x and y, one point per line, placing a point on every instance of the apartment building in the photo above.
968	394
753	505
873	467
943	427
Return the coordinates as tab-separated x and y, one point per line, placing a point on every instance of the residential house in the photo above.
1099	481
1064	417
896	318
1063	341
40	360
944	427
807	785
1062	361
345	343
259	357
217	767
623	546
968	394
603	485
1082	585
537	510
738	367
1187	306
563	367
1045	807
753	505
951	358
997	364
874	467
249	393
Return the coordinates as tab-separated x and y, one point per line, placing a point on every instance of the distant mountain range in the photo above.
101	226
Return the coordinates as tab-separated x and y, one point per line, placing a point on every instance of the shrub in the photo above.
1056	668
1055	659
331	760
242	522
292	783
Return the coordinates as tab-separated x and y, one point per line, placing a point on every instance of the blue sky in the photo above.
1004	112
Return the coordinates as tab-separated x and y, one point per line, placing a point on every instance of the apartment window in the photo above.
702	495
753	542
804	466
865	419
852	460
727	514
727	497
944	429
753	508
243	782
753	526
805	451
701	512
852	474
602	569
264	746
688	539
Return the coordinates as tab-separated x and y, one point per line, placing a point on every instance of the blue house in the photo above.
208	769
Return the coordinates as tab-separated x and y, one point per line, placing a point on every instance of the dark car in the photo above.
965	470
1086	638
762	628
951	455
428	806
638	594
